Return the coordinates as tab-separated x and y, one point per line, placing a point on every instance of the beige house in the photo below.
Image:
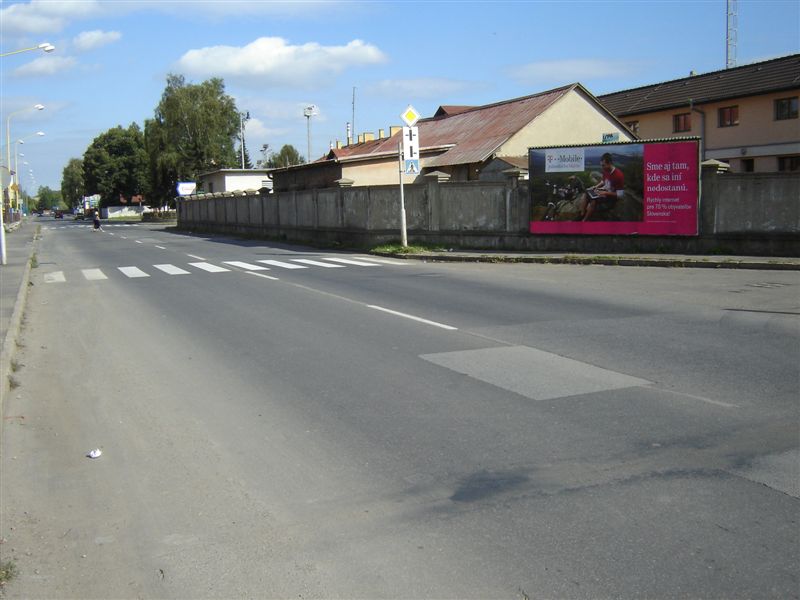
460	141
745	116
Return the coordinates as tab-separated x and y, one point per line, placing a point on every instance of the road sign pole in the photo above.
403	235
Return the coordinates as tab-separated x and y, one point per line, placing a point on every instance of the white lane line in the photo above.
139	242
701	398
93	274
283	265
55	277
109	233
244	265
413	318
195	256
262	275
347	261
172	270
317	263
385	261
161	247
133	272
209	267
124	237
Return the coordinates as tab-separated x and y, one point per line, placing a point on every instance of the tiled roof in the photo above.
445	111
758	78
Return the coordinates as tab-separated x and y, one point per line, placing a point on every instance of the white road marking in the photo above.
385	261
93	274
347	261
139	242
172	269
133	272
317	263
262	275
55	277
124	237
244	265
161	247
109	233
209	267
701	398
413	318
283	265
194	256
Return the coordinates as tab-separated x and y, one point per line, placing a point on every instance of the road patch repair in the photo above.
533	373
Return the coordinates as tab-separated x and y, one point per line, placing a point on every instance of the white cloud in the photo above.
430	87
45	65
270	60
570	70
42	16
89	40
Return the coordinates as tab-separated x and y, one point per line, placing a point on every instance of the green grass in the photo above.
396	248
8	570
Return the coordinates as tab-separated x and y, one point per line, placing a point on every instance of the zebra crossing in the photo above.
225	266
87	226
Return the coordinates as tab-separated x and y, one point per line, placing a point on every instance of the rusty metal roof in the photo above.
464	134
758	78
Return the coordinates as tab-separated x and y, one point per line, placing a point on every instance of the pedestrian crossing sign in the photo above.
412	166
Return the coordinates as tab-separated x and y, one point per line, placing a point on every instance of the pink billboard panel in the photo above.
634	188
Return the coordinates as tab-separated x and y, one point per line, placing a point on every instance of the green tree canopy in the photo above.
285	157
48	198
72	188
115	164
194	130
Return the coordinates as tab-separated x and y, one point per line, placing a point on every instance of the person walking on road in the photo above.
96	220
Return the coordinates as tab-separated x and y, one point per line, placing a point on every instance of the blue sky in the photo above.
112	58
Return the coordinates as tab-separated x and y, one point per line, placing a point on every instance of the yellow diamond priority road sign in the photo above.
410	116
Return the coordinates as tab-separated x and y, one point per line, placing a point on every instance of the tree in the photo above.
194	130
72	189
49	198
115	164
286	157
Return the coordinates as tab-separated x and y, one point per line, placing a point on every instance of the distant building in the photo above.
234	180
460	141
746	116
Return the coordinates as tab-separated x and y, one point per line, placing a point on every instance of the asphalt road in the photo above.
396	429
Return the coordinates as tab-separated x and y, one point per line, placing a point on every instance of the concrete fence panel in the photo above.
328	208
473	207
356	207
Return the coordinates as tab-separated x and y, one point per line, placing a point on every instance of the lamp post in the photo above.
308	112
17	154
3	258
44	47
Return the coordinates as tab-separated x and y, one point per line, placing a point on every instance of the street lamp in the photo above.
3	258
17	154
44	47
308	112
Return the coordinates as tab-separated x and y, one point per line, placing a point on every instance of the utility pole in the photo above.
241	131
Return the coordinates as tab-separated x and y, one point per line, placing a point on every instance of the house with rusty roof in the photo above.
460	141
745	116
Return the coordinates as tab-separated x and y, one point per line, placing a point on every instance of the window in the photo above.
210	187
748	165
729	116
785	108
682	122
789	163
633	126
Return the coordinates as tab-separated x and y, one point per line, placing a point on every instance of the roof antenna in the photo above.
730	36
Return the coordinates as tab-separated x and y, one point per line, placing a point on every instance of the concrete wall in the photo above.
754	214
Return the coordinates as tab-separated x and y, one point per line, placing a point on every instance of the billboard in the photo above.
628	188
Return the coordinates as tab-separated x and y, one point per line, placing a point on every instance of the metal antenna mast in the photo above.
730	36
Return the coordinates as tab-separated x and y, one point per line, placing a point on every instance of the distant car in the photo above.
80	216
59	214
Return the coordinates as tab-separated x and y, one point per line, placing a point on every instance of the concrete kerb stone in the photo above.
10	341
622	261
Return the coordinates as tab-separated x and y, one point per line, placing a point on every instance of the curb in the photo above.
620	261
10	341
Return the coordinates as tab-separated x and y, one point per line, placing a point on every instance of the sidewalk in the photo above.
14	276
772	263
